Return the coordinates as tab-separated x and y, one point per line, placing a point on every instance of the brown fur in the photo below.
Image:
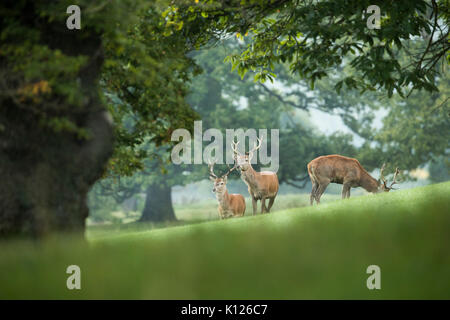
230	205
342	170
261	186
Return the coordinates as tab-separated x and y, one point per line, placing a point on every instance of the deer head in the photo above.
242	161
382	183
219	182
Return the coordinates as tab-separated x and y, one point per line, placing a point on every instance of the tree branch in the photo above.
281	99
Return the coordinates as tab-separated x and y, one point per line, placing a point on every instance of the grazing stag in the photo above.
261	185
230	205
346	171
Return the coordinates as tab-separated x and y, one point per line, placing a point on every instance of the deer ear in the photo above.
225	179
212	178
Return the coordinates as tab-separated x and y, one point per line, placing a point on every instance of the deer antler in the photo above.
256	146
211	168
394	181
395	177
234	147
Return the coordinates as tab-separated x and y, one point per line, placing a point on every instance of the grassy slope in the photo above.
311	252
207	210
200	212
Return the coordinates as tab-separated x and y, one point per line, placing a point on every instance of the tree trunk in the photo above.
158	204
46	174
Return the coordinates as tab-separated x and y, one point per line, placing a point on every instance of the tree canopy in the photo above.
315	37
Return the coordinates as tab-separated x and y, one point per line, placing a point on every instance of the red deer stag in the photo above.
230	205
346	171
261	185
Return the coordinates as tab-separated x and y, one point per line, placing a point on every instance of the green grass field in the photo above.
319	252
198	212
207	210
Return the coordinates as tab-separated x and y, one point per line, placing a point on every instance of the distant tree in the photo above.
440	170
416	130
155	180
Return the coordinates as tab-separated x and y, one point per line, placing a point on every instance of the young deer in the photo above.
230	205
261	185
346	171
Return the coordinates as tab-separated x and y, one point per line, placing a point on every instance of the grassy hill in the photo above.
301	253
205	210
201	211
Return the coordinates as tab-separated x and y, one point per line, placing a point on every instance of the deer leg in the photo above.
254	204
321	190
348	192
313	192
345	191
263	205
271	201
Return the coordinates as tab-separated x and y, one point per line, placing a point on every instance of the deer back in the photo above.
340	169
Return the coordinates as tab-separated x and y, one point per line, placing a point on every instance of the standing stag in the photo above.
230	205
346	171
261	185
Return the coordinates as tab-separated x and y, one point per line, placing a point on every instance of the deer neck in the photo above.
223	198
250	177
369	183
